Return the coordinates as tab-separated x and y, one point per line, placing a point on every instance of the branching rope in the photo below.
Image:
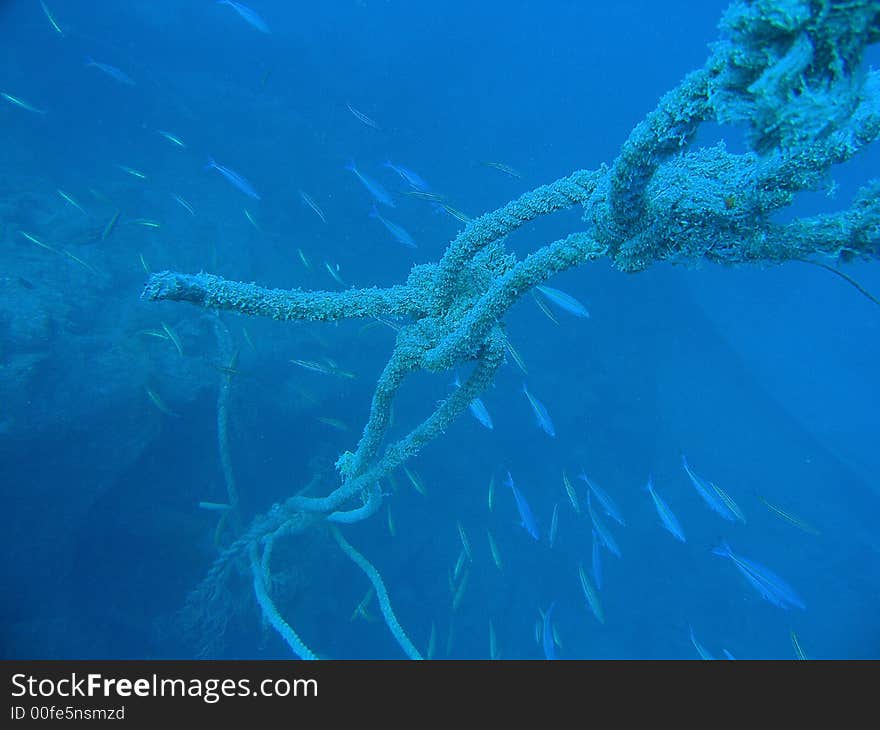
788	71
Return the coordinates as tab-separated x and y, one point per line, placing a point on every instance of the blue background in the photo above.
764	377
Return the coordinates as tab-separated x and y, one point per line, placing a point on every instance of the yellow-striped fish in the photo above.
798	649
506	169
415	480
333	423
69	199
544	308
391	528
172	335
304	259
728	502
493	548
334	272
789	517
159	403
33	239
465	543
111	226
131	171
21	103
459	593
175	140
515	355
183	203
571	492
55	25
432	642
591	595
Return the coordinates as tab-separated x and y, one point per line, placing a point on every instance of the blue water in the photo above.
764	377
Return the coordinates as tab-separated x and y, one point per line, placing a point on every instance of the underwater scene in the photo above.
372	329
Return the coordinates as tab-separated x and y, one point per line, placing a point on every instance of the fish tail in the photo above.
351	166
374	212
211	163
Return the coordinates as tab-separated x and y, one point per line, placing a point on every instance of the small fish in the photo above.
233	177
334	273
379	193
21	103
247	338
333	422
67	198
701	650
415	181
459	593
415	480
425	195
111	226
391	529
111	71
728	655
554	524
146	222
771	587
707	493
506	169
456	213
728	502
596	564
601	530
55	25
131	171
158	334
465	543
789	517
174	139
543	307
493	548
798	649
362	117
493	642
214	506
605	500
547	634
249	15
399	232
432	642
304	259
78	260
564	301
491	492
477	408
670	522
33	239
511	350
323	369
307	199
541	414
159	403
591	595
172	335
456	571
186	206
570	491
525	512
251	220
